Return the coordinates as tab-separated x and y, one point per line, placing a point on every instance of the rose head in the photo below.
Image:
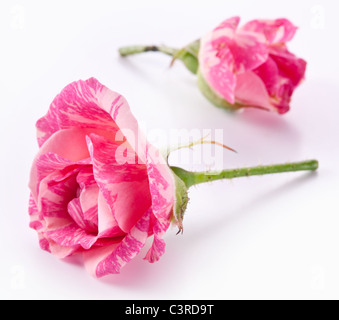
251	65
98	188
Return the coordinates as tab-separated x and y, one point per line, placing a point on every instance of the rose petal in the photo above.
162	189
51	164
249	51
88	199
65	148
216	61
78	215
156	251
290	66
227	28
219	72
251	91
280	88
110	259
82	104
108	226
35	220
225	52
60	252
55	191
123	185
52	215
89	104
72	236
284	95
55	195
275	31
269	74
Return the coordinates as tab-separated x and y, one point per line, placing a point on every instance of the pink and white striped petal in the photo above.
108	226
226	29
90	105
80	217
217	68
275	31
72	236
225	52
249	51
156	251
35	219
54	166
123	185
88	198
162	189
110	259
81	104
216	62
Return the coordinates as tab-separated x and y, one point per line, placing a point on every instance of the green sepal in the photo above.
181	201
189	56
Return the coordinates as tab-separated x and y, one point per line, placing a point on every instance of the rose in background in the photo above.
248	66
95	190
251	65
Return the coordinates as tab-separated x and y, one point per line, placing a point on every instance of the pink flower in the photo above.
251	65
98	188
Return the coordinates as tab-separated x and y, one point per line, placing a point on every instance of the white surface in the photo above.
272	237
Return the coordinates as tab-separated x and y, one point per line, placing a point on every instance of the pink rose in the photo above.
251	65
95	190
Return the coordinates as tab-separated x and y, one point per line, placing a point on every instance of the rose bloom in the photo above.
98	188
251	65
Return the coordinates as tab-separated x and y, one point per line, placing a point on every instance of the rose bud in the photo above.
99	189
248	66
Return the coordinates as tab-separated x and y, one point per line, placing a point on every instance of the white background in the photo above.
272	237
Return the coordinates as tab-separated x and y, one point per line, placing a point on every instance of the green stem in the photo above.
126	51
194	178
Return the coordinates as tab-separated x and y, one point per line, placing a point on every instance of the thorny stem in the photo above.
195	178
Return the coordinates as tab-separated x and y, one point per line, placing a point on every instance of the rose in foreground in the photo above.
92	191
248	66
100	189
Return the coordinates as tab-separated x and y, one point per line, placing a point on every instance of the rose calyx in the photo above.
189	56
181	201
